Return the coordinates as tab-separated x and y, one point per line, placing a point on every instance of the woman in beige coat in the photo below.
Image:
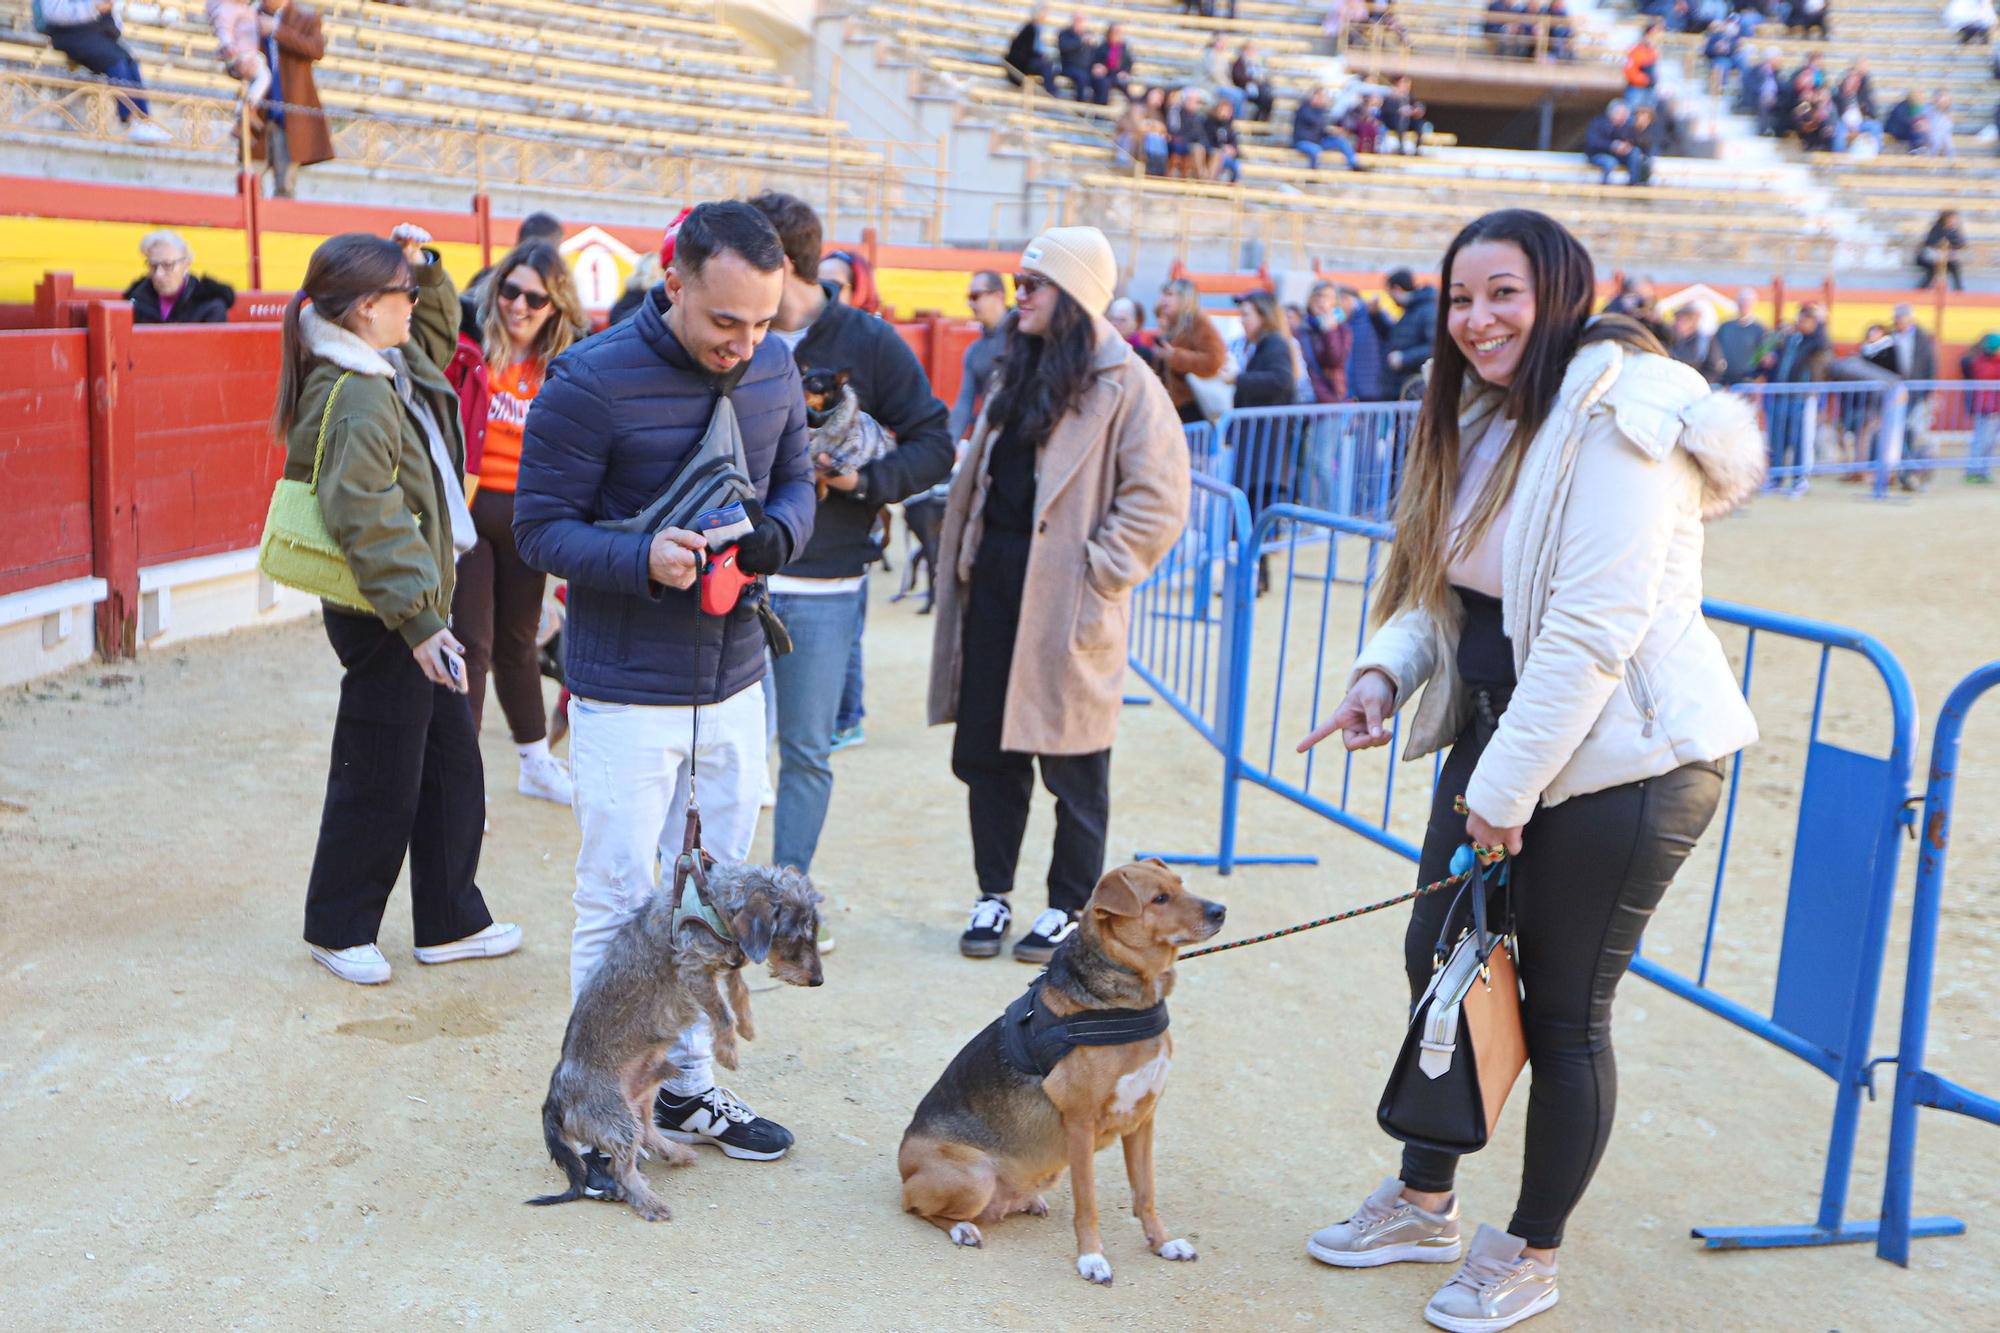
1074	487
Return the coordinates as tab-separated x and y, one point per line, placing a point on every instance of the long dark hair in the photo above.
1044	376
342	272
1565	287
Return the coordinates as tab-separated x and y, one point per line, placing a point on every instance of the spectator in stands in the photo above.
1725	52
1187	144
528	317
1387	24
1908	122
1028	653
1111	65
646	275
1186	343
1313	131
292	133
1073	50
1641	62
364	411
1248	73
1225	162
1804	16
1403	117
87	32
1761	94
1939	250
170	293
1972	20
1141	132
1609	145
1982	364
1331	340
615	420
1507	31
1813	121
986	294
1408	345
1801	357
1025	57
1647	135
1129	318
1696	347
853	280
820	591
1938	128
1854	103
239	46
1742	341
1215	63
1808	77
1364	122
1561	37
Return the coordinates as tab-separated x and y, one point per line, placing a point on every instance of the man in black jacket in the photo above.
170	293
1409	342
1073	51
616	418
1025	57
820	594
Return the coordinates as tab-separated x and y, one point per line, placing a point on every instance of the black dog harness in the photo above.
1035	1040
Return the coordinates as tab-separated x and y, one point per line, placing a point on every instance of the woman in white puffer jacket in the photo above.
1545	586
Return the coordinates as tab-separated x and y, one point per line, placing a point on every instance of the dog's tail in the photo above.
565	1156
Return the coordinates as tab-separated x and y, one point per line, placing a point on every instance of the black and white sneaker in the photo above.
1051	928
600	1185
717	1117
991	918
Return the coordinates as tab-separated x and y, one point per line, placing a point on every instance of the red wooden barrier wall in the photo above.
44	459
205	459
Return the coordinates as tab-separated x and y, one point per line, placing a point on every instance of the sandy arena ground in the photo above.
204	1128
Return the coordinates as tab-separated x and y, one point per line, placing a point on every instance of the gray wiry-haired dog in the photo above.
649	987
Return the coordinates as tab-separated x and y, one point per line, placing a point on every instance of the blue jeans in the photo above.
1313	150
852	710
809	681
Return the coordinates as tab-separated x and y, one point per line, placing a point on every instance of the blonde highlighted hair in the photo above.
565	324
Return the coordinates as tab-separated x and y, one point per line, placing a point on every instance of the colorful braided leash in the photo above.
1481	854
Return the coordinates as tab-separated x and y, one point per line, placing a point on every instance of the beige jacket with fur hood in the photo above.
1619	676
1111	499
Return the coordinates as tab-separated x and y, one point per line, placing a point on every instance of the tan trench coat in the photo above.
1111	499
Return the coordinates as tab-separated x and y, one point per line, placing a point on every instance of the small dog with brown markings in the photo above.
1077	1062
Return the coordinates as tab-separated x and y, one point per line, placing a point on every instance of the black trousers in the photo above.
1000	783
1590	873
495	610
406	776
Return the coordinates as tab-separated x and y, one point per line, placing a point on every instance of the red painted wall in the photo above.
44	459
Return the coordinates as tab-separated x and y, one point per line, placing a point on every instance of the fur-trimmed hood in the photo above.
330	342
1660	403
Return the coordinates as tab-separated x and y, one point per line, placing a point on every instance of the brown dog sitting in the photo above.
1078	1061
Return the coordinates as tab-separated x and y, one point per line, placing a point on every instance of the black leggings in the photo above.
1590	873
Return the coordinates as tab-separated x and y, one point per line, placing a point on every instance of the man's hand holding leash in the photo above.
675	559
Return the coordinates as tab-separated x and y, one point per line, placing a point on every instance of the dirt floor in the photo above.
205	1128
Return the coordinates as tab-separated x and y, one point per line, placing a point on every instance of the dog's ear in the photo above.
840	378
1117	894
753	927
1154	861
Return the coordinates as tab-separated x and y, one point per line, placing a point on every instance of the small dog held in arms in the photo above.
1078	1061
658	977
841	437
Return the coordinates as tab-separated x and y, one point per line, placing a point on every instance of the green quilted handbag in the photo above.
297	550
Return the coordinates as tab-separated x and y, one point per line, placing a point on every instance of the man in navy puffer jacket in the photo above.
615	419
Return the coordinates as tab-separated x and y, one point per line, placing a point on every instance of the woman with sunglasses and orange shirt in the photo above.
530	314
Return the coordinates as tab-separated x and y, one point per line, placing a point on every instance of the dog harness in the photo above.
691	883
1035	1040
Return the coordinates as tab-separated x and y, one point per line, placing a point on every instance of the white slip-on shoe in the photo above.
362	964
546	778
502	937
1386	1229
1497	1287
145	131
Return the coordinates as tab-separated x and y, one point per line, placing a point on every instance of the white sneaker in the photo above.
498	939
546	778
145	131
1386	1229
363	964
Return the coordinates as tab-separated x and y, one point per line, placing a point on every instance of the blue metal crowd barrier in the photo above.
1952	424
1845	845
1344	458
1916	1085
1850	429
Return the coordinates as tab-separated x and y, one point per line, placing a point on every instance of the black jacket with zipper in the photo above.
891	387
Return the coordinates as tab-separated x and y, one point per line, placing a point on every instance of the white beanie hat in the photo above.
1078	260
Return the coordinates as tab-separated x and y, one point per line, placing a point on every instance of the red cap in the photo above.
667	242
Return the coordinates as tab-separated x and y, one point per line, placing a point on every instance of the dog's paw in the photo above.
966	1234
677	1154
725	1052
1094	1268
653	1209
1177	1249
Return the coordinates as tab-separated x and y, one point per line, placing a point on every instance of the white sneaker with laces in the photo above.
1386	1229
497	940
546	778
1497	1287
1052	926
362	964
145	131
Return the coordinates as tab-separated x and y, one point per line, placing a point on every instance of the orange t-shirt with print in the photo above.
513	389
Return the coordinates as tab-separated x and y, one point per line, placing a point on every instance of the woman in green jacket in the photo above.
360	390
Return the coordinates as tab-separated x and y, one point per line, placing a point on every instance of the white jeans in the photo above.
630	764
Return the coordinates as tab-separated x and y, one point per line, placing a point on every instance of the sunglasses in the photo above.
973	296
1027	284
535	300
412	292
